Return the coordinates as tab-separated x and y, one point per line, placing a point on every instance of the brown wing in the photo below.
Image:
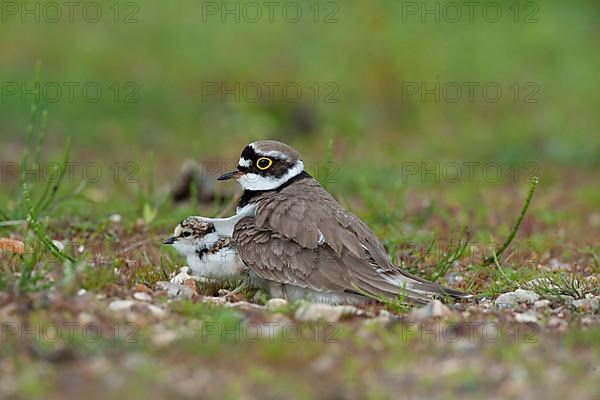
274	257
307	214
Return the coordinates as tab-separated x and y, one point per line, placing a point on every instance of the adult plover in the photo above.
290	231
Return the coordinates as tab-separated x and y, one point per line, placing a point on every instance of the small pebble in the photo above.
164	337
587	305
175	291
183	276
435	309
529	316
519	296
244	305
568	300
86	318
276	304
142	296
325	312
121	305
556	323
156	311
541	303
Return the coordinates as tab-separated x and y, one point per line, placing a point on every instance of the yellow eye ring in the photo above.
263	166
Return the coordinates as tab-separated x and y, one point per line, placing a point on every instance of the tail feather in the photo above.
427	288
432	289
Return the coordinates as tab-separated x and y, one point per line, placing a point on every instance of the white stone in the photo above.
183	276
586	304
555	322
244	305
529	316
156	311
276	304
142	296
568	300
541	303
526	296
175	291
519	296
164	338
324	312
435	309
85	318
506	300
121	305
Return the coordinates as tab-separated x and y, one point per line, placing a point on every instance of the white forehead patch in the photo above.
244	163
272	153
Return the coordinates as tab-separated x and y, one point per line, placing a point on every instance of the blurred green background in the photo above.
356	63
367	92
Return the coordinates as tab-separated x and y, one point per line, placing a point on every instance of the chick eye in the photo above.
187	234
263	163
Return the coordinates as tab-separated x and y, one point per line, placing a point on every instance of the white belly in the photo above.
221	265
293	293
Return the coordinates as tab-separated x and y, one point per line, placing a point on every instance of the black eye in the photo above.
264	163
187	234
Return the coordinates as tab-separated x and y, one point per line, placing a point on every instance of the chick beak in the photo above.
170	240
236	173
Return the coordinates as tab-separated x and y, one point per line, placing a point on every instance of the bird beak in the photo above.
170	240
236	173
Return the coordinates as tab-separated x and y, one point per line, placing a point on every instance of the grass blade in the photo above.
453	253
29	135
513	233
44	204
41	137
39	231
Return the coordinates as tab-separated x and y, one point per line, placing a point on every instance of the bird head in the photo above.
192	234
266	165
